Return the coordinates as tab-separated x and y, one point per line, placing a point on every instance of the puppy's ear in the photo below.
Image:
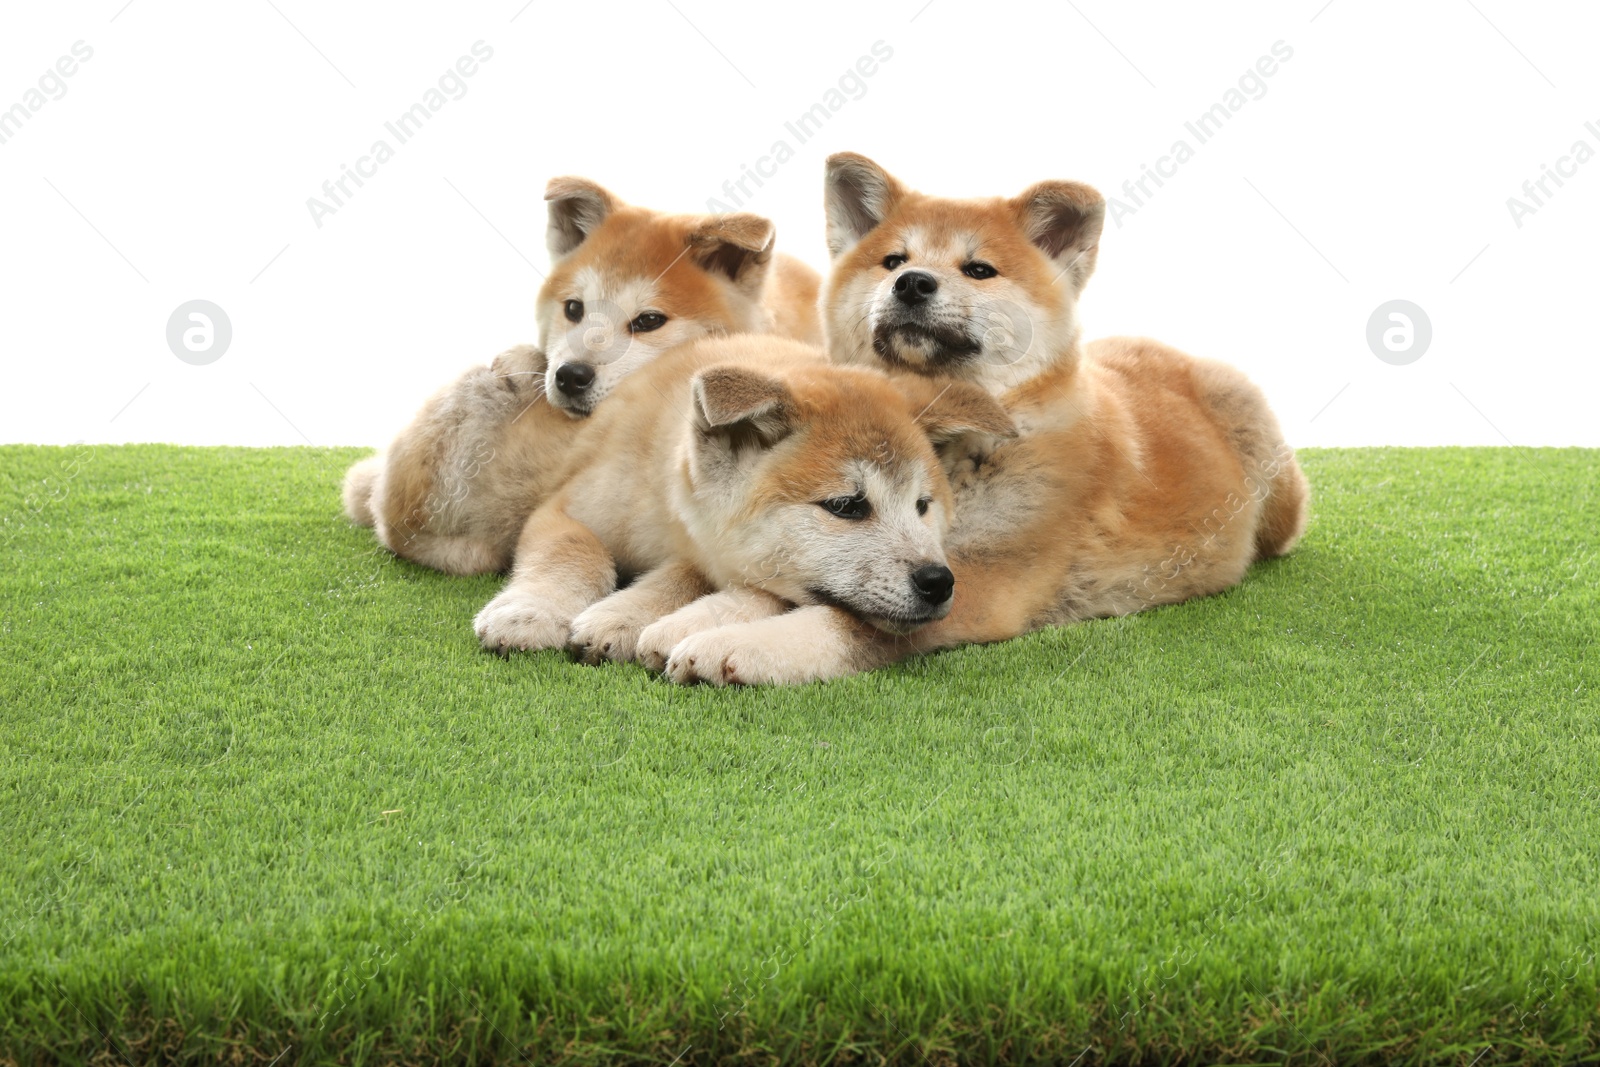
737	247
857	194
946	409
577	207
741	406
1064	219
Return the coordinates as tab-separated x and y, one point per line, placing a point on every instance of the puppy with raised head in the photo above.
749	464
626	284
1141	475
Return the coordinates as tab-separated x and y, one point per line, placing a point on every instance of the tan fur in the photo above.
1142	476
706	471
455	487
792	302
660	640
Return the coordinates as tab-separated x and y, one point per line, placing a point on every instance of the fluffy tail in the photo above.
1284	511
360	484
1272	473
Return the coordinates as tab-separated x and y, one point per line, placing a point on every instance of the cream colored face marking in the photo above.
604	338
801	552
996	316
992	331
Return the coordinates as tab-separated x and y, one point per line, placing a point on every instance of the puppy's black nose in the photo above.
933	583
574	378
915	286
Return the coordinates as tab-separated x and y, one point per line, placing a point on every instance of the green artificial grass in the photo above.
263	797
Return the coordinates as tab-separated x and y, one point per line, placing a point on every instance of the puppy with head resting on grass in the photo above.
1140	475
626	284
749	464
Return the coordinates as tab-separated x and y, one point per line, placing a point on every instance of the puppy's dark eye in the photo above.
979	270
574	310
922	505
650	320
847	507
893	262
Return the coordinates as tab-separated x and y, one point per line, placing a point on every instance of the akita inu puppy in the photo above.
1141	475
627	283
751	464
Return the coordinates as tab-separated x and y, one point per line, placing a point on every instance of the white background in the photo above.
1377	166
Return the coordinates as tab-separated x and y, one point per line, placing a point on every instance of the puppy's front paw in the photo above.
963	459
657	640
711	656
733	655
518	370
513	621
605	631
808	644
